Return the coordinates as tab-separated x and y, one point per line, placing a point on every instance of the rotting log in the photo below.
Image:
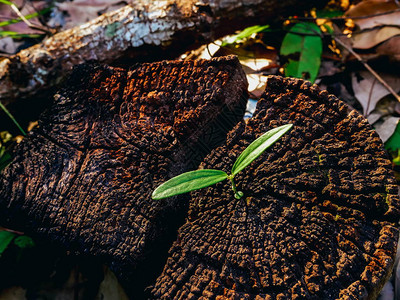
84	177
319	215
150	30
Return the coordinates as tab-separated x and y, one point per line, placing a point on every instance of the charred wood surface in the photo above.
319	216
84	177
144	30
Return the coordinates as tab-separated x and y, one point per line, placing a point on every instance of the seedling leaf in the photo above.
187	182
16	35
304	40
257	147
6	2
5	239
244	34
12	117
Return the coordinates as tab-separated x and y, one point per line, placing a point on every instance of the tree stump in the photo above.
318	220
84	177
318	217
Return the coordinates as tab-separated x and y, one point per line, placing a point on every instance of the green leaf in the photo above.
16	35
303	40
257	147
24	242
393	143
187	182
244	34
11	116
6	2
5	239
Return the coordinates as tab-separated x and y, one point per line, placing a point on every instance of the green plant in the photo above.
246	33
303	47
2	107
198	179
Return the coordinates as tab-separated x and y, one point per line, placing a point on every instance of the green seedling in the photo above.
198	179
2	107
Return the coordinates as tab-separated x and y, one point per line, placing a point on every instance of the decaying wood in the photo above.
84	177
152	29
319	216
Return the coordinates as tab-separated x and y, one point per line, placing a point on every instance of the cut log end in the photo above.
318	217
84	177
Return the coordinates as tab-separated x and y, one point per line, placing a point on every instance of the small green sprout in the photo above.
198	179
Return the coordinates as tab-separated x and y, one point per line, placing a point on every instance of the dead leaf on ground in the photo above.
82	11
371	38
254	72
390	48
368	90
386	128
328	68
387	106
7	45
373	7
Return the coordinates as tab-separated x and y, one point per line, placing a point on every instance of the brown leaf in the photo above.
369	91
373	7
82	11
387	127
253	68
369	39
391	48
7	45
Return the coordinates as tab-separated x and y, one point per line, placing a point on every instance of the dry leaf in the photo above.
328	68
369	39
369	91
7	45
254	65
390	48
374	117
387	127
82	11
256	84
253	68
373	7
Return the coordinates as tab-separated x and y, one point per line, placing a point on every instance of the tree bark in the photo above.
109	139
146	30
318	219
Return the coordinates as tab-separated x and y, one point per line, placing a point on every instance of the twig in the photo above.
16	10
370	96
26	21
12	231
376	75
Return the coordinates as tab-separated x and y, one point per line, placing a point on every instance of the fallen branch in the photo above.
150	30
